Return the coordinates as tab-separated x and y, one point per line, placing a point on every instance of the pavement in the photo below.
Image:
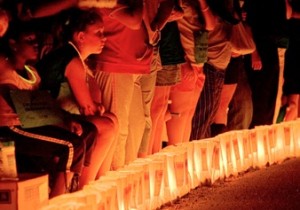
271	188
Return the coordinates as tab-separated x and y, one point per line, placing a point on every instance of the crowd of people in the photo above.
129	76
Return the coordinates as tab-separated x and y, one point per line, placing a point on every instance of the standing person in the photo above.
46	141
239	114
172	56
230	83
291	87
157	14
65	74
124	74
241	108
265	19
218	57
193	26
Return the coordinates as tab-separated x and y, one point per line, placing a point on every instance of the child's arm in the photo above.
77	78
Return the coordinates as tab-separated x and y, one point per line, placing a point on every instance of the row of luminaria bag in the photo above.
151	182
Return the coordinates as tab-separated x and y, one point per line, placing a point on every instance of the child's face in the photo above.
94	38
27	46
3	23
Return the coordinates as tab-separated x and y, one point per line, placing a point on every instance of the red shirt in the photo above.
126	50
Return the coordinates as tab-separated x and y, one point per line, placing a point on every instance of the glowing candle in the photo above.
191	178
272	145
252	134
202	157
296	137
123	189
144	165
237	144
138	186
288	139
279	136
229	161
217	168
156	174
263	145
106	194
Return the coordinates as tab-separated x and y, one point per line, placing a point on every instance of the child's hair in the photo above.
78	20
15	30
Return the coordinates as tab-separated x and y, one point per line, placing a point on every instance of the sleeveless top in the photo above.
171	51
52	68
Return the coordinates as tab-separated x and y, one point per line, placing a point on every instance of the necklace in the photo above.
32	78
87	70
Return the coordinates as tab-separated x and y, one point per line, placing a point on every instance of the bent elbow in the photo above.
209	28
134	24
210	24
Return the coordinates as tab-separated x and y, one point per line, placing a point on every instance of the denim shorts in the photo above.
168	75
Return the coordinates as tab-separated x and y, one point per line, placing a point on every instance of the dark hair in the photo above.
78	20
15	30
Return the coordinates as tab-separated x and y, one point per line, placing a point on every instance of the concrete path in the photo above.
271	188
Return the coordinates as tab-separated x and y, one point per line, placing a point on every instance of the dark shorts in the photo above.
168	75
50	141
232	71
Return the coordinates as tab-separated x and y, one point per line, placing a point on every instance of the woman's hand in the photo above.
256	61
291	112
292	101
176	14
91	110
101	109
75	127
